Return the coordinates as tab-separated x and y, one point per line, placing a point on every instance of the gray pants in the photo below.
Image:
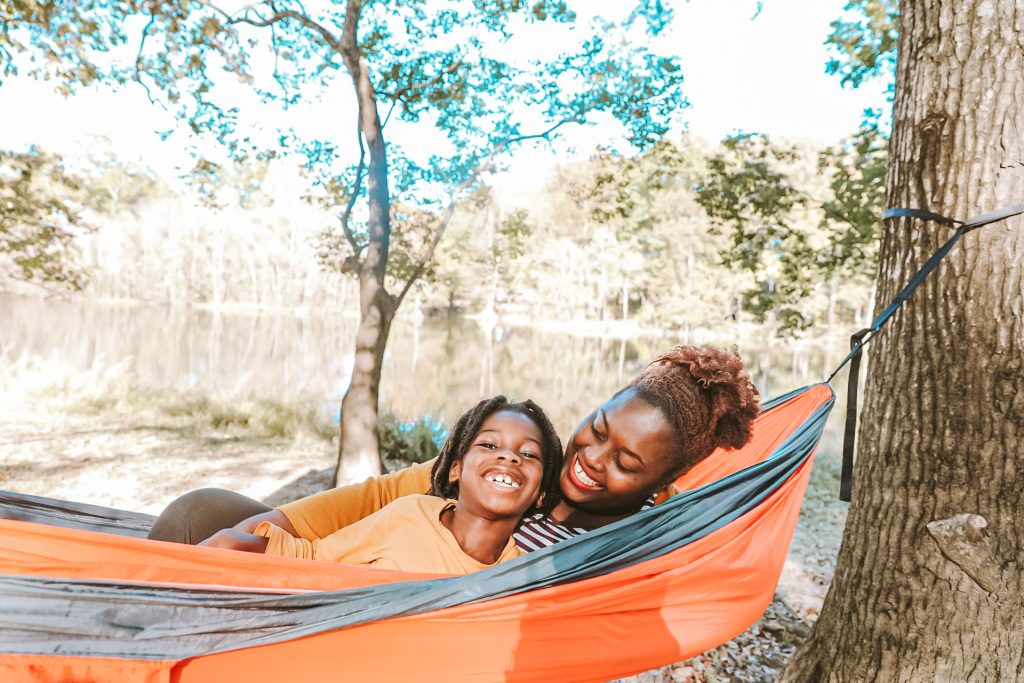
199	514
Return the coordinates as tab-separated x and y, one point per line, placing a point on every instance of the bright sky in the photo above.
762	74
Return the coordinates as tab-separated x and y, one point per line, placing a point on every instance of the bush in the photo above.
405	443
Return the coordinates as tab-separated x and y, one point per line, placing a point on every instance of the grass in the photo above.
109	391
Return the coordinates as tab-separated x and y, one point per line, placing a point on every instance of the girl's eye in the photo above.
527	454
486	444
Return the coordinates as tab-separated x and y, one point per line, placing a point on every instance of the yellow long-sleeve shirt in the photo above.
406	535
321	514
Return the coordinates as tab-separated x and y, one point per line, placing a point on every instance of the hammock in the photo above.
84	598
98	603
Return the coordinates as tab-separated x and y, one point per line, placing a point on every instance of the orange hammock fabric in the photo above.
651	613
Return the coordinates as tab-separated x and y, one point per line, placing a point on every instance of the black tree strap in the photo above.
849	436
860	340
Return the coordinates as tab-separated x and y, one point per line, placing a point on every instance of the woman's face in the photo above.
617	456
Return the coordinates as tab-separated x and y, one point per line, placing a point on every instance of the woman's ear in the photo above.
454	471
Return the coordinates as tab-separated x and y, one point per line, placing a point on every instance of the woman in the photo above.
622	458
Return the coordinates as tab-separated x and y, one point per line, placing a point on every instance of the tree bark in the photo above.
928	582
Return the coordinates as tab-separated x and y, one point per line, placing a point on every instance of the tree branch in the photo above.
449	211
388	117
397	96
138	59
347	215
347	45
962	541
277	17
277	64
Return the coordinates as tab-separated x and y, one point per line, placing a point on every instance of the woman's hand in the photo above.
233	539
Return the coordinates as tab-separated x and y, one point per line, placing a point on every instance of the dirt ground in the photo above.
50	447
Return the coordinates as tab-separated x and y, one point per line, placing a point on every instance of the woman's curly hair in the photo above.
707	397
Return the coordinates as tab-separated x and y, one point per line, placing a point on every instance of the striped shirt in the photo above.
539	531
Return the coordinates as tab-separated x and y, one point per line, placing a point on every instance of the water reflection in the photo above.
432	367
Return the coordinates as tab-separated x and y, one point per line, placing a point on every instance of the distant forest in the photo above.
681	237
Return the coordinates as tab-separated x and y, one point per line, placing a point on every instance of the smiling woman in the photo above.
682	406
621	459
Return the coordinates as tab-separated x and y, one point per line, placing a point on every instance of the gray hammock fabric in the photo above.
64	513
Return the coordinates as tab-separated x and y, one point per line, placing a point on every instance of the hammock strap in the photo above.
861	339
846	476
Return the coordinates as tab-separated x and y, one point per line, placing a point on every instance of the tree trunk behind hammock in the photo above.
928	585
359	443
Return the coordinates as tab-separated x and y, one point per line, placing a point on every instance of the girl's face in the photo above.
618	456
500	475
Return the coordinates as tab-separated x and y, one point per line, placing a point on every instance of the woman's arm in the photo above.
321	514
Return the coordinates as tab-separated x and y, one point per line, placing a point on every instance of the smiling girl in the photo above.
500	462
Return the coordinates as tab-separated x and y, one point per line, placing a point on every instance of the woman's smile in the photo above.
581	478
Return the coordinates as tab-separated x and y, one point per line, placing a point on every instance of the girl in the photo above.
500	462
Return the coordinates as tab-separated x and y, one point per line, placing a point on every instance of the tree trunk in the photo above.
928	583
359	447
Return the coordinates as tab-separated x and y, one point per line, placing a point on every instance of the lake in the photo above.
432	367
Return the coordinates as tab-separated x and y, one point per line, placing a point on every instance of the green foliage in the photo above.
852	215
792	236
790	232
48	204
865	43
41	203
747	190
749	193
404	443
621	238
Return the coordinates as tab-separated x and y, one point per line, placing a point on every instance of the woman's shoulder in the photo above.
664	494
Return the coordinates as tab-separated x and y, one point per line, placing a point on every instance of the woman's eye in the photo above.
597	432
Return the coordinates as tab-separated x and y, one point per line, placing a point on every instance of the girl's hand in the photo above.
233	539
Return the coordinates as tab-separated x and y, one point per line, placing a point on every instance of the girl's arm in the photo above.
233	539
321	514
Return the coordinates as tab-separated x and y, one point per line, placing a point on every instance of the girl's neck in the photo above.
482	539
564	513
